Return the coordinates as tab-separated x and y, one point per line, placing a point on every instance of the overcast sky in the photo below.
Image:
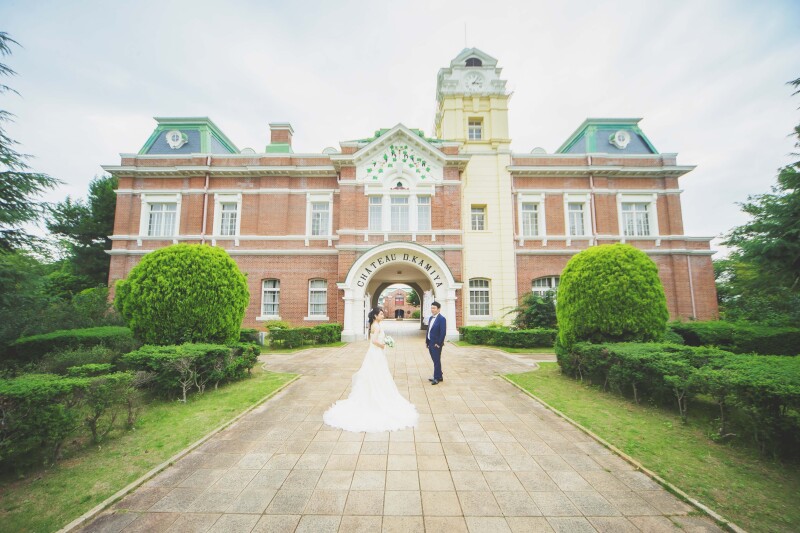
708	78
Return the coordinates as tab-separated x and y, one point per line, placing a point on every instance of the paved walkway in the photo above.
485	457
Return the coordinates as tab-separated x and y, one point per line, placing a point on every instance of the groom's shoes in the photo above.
434	382
437	380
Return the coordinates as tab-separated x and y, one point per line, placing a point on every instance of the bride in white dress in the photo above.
374	403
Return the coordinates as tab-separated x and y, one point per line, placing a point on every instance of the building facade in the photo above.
459	217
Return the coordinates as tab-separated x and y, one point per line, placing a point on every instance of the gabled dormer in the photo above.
187	135
616	136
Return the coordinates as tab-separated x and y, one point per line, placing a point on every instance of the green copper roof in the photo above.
593	137
201	134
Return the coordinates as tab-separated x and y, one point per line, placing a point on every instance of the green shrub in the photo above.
40	411
85	371
59	361
740	337
250	335
276	324
535	311
513	338
192	366
104	397
415	314
30	349
610	293
295	337
184	293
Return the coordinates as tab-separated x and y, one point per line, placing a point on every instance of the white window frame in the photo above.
397	208
582	199
472	219
552	285
372	224
144	216
311	290
220	199
652	215
319	198
537	198
424	204
476	291
277	291
475	129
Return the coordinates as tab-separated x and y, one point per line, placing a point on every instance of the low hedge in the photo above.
192	366
512	338
250	335
294	337
41	411
59	362
739	337
757	395
29	349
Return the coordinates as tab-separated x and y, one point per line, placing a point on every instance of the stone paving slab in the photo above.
484	457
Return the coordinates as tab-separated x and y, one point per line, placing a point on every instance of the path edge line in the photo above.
652	475
102	506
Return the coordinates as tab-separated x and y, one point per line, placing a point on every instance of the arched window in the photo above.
542	286
479	297
474	62
270	297
318	298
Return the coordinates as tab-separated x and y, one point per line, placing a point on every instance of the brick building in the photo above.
395	301
459	217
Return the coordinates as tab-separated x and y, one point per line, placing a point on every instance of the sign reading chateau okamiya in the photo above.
458	213
366	272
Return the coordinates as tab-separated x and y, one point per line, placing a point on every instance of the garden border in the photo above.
105	504
652	475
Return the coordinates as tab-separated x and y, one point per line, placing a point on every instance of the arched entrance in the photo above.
396	262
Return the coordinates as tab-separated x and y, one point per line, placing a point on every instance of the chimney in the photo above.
281	133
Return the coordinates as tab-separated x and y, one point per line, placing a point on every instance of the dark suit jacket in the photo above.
438	333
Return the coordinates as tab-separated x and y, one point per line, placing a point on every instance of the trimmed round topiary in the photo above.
184	293
610	293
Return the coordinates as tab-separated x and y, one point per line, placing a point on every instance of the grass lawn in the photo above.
507	349
753	492
50	499
266	349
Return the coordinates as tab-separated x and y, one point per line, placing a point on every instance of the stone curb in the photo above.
652	475
85	517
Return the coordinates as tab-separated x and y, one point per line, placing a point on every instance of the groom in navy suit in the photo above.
434	340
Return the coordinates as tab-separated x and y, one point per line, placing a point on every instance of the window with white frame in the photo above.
478	217
423	213
399	213
162	218
230	215
576	218
375	213
635	219
530	219
320	218
317	297
479	297
270	297
542	286
226	214
475	129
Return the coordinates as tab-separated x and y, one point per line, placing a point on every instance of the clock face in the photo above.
473	81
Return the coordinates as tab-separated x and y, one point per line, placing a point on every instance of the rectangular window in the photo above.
271	291
317	297
542	286
399	213
478	218
423	213
320	216
576	221
375	213
475	129
635	219
162	219
479	297
228	219
530	220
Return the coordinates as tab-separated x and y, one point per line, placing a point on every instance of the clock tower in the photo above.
472	109
472	102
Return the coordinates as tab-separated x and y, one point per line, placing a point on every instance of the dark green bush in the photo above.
92	369
535	311
295	337
29	349
513	338
59	361
104	398
40	411
762	391
610	293
740	337
249	335
184	293
192	366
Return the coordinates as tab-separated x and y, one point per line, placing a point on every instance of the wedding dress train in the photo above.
374	403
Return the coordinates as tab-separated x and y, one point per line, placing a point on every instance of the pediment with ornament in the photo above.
399	153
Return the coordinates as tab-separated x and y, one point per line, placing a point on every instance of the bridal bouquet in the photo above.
389	341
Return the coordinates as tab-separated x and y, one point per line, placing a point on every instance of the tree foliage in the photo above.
610	293
413	298
535	311
84	228
20	188
184	293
